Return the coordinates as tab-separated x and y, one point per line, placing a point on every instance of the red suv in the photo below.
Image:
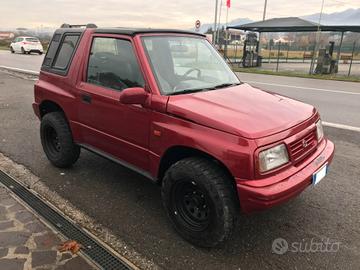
165	104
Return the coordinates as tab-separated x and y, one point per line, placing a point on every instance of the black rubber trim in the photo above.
94	250
118	161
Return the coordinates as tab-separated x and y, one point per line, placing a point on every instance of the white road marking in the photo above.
306	88
341	126
26	71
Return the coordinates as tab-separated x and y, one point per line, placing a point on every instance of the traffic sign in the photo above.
197	25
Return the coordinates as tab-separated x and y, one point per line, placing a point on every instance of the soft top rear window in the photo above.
66	51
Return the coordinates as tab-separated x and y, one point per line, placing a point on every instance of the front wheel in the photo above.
200	201
23	50
57	141
12	50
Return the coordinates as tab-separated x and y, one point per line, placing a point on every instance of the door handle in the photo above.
86	98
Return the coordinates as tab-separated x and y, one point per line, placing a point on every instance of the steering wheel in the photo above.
191	70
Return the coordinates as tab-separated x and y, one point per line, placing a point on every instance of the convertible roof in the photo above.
65	27
135	31
293	24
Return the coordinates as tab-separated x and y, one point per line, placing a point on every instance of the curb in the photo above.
19	70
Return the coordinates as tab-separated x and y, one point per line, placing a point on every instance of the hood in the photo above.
241	110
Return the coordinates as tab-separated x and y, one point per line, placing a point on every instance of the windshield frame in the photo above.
194	36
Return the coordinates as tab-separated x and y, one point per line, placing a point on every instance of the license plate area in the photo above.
320	174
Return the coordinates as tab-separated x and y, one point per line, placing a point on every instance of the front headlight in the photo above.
273	158
319	130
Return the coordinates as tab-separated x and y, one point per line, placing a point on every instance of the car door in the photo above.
118	130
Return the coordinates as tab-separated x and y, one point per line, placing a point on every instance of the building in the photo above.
6	35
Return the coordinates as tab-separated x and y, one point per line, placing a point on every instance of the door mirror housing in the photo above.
135	95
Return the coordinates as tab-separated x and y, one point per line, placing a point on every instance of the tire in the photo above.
23	51
12	50
57	141
40	53
200	201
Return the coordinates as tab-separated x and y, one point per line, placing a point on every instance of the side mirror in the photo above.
135	95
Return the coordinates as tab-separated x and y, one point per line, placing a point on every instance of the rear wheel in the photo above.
40	53
57	141
12	50
200	201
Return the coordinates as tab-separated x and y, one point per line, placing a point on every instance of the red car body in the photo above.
230	125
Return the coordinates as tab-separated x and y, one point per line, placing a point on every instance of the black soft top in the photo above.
135	31
68	28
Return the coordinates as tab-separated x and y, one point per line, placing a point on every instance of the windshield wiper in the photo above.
186	91
223	85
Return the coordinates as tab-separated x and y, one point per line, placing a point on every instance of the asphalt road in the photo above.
23	61
130	205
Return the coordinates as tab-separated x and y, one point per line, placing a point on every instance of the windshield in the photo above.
187	64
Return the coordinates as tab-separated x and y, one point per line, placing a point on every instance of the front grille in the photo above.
302	147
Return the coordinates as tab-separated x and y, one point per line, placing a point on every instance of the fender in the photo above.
232	151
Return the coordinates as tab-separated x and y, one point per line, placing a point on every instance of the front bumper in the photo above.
261	194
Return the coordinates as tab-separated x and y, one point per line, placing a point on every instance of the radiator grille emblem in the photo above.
304	143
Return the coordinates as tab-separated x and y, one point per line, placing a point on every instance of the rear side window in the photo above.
113	64
66	51
54	44
32	39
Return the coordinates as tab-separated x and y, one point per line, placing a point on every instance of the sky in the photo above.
180	14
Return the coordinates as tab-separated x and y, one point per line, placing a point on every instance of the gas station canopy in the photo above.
293	24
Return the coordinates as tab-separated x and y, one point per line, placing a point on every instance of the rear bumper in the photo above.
33	49
261	194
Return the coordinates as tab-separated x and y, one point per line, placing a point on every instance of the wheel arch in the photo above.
48	106
178	152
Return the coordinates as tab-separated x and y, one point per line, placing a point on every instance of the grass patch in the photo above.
300	75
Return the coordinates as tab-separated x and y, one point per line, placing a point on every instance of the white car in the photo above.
26	45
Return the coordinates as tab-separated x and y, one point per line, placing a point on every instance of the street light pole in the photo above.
218	24
264	14
214	30
318	33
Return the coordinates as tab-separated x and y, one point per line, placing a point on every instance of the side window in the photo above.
51	52
112	64
65	52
